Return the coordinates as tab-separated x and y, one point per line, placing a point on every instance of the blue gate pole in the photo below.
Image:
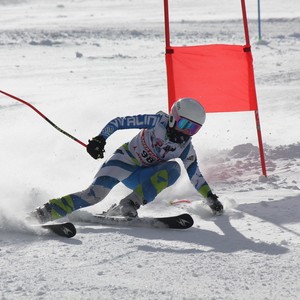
259	23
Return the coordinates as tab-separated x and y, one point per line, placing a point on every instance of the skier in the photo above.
145	164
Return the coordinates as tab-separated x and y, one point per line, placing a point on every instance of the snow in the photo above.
83	63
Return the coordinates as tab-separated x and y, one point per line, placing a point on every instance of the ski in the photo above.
182	221
65	229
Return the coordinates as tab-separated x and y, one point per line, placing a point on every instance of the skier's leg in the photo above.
111	173
163	176
146	183
60	207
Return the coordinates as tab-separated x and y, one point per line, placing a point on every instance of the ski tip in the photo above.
189	221
183	221
67	229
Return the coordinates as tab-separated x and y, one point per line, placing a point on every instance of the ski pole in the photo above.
44	117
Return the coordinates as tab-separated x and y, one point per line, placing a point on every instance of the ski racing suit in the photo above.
145	164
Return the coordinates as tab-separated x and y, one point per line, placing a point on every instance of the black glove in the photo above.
213	202
95	147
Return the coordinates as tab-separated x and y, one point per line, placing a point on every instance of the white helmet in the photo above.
187	116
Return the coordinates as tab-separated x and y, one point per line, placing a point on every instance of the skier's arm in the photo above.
189	159
96	145
129	122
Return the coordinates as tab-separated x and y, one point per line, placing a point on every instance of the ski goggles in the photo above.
187	126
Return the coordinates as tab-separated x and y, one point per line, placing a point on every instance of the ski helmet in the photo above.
187	116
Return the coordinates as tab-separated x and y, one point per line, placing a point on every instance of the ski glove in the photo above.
95	147
213	202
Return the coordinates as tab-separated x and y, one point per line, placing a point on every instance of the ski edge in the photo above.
183	221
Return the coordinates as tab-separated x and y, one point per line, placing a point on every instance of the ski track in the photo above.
66	70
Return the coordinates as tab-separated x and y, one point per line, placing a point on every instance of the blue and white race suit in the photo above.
145	164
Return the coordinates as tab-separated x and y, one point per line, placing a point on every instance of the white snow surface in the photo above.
83	63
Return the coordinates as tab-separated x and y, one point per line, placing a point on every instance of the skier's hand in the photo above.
213	202
95	147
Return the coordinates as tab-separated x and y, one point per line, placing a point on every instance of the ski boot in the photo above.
127	207
215	205
41	214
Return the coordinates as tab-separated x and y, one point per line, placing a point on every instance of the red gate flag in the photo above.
219	76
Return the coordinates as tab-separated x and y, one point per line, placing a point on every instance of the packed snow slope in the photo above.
83	63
